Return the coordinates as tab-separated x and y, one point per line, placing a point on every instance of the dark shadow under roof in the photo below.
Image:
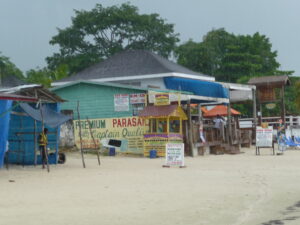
130	63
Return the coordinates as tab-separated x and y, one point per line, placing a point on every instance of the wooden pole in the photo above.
229	123
254	114
35	144
95	144
190	128
82	156
45	147
34	136
283	106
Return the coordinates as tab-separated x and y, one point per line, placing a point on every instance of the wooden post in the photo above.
95	144
254	124
190	128
82	156
254	108
229	124
282	106
35	129
168	126
35	144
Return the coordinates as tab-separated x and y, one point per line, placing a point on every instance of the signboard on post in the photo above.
174	155
264	137
121	102
162	99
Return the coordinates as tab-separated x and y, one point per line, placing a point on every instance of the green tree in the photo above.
97	34
7	68
45	76
229	57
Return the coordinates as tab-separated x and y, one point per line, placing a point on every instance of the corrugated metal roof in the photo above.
270	80
10	81
130	63
220	110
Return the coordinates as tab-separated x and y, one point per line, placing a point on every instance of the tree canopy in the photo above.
97	34
230	57
8	68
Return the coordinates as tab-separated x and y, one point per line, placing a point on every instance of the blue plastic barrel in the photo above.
152	154
112	151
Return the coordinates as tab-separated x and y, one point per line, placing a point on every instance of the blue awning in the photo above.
198	87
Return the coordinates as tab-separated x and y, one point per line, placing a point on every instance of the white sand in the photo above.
212	190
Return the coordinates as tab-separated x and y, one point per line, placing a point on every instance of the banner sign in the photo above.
175	154
137	98
264	136
121	102
129	130
162	99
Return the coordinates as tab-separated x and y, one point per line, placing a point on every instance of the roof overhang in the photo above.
17	98
146	76
177	96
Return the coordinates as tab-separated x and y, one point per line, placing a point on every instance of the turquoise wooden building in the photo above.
109	109
96	99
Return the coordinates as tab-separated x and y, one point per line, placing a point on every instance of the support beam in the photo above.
190	128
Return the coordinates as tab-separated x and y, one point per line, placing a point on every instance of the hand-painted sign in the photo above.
121	102
175	154
130	130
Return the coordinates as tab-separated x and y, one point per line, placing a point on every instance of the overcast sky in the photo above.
27	26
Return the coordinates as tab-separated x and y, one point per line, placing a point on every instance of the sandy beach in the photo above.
241	189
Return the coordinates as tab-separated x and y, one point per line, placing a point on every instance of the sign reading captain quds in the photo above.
130	130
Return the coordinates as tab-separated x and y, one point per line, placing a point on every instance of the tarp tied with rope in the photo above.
50	117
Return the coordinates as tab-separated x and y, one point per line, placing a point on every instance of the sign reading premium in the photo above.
130	130
121	102
264	136
137	98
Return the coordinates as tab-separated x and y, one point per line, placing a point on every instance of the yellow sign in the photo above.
129	130
162	99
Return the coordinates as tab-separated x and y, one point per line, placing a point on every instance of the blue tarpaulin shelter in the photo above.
5	105
198	87
20	125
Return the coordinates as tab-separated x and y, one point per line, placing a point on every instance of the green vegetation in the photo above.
103	31
97	34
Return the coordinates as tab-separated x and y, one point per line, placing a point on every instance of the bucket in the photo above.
112	151
152	154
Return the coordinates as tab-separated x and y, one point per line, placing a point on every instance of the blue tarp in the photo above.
23	133
198	87
5	105
50	117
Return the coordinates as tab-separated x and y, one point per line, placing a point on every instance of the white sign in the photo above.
175	154
137	98
121	102
264	137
